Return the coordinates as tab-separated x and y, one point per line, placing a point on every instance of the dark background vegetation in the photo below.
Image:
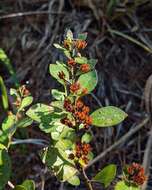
28	28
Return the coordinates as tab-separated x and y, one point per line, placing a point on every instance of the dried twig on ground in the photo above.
119	142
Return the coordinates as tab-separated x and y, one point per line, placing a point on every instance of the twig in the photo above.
97	100
120	141
88	182
147	158
29	13
10	184
61	186
30	141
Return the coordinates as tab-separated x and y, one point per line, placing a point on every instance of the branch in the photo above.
29	13
88	182
147	158
117	143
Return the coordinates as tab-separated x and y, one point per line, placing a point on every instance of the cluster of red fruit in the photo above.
82	150
80	113
78	44
83	67
136	173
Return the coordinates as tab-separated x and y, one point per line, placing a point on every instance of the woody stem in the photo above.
87	181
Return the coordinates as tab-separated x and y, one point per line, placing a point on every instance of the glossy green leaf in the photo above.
39	112
74	180
6	61
82	36
26	102
14	92
64	50
2	147
63	144
19	187
55	135
67	172
3	93
106	175
91	81
122	185
87	137
92	63
5	168
58	95
55	69
3	138
25	122
58	46
57	104
108	116
50	157
90	156
8	125
81	60
51	123
29	184
69	34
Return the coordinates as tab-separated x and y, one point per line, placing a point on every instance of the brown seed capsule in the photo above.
79	104
85	68
74	87
67	122
84	91
71	156
71	62
61	75
68	105
80	44
136	174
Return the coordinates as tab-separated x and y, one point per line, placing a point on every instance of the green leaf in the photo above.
55	69
51	123
108	116
25	122
106	175
57	94
81	60
2	147
64	50
122	185
3	138
3	94
58	46
6	61
82	36
57	104
57	160
13	92
39	112
26	102
5	168
63	144
74	180
8	125
92	63
69	34
87	137
91	81
66	173
29	184
90	156
19	187
50	157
